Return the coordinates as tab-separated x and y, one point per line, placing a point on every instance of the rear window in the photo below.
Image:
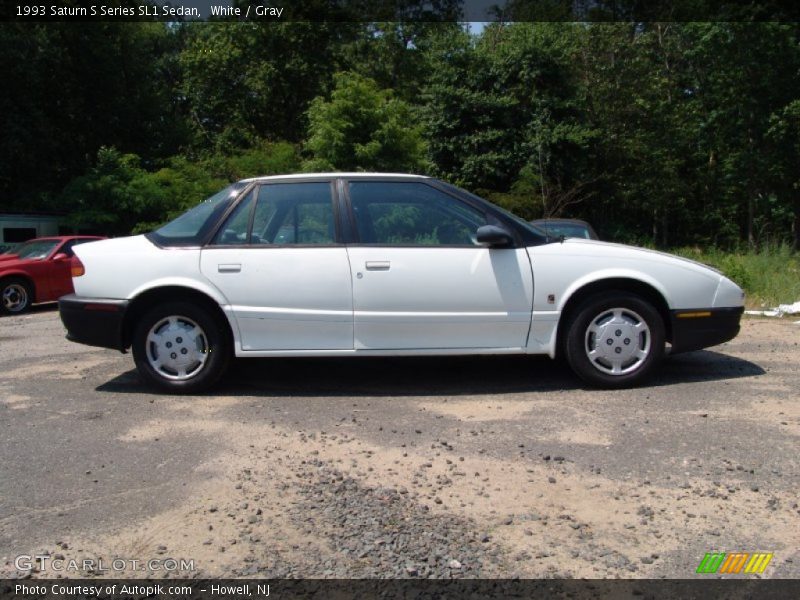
193	226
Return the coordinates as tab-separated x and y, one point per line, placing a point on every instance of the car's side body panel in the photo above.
563	268
125	268
285	298
446	297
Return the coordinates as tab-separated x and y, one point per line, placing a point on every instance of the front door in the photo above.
421	280
277	261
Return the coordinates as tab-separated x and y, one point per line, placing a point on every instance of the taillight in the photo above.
77	268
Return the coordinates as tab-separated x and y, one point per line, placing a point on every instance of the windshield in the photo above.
191	228
36	250
520	221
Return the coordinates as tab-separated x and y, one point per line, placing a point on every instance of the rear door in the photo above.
421	280
278	261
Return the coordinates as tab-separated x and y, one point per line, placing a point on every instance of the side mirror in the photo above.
494	236
60	257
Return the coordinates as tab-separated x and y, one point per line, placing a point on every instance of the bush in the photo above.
117	196
770	276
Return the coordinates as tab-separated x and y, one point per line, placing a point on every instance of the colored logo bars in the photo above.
734	562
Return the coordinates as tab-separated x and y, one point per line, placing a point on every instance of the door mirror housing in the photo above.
494	236
60	257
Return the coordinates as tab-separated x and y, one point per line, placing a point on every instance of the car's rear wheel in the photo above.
16	295
615	339
181	347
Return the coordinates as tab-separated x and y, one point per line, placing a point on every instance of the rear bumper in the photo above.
93	321
693	329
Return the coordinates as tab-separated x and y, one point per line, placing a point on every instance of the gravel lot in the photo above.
436	467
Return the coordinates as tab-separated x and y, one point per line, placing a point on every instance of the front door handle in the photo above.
378	265
230	268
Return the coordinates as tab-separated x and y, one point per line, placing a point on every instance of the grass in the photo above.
769	276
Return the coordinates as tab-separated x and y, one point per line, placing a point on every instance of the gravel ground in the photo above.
436	467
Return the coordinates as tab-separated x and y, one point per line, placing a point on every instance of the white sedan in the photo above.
358	264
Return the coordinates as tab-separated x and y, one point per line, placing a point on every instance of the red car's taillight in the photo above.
77	268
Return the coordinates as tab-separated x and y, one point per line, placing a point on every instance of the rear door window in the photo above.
294	214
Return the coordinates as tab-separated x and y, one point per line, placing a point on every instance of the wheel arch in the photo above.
621	284
146	299
25	277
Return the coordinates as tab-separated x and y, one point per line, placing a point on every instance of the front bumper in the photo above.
93	321
694	329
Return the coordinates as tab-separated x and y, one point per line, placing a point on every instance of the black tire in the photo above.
214	344
637	352
18	291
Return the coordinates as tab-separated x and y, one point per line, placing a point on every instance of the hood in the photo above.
596	247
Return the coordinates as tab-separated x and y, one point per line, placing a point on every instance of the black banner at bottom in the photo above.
260	589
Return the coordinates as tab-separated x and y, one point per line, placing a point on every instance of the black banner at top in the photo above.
401	10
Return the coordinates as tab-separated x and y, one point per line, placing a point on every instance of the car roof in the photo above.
348	175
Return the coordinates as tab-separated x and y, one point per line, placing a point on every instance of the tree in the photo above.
395	54
742	74
362	127
245	81
784	134
470	123
70	88
503	116
115	194
118	195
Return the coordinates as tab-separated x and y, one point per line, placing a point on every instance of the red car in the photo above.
40	270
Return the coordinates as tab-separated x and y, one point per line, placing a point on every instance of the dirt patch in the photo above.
74	368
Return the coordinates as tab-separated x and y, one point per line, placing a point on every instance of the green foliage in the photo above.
665	134
243	82
71	88
525	197
769	276
502	113
118	196
395	55
364	128
113	194
469	121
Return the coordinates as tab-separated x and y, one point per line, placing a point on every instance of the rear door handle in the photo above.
232	268
378	265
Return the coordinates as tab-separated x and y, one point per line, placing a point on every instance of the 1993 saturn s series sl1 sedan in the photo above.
367	264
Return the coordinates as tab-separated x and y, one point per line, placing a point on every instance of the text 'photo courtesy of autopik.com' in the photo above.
399	299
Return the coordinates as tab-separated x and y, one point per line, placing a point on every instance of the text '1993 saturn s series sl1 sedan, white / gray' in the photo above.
360	264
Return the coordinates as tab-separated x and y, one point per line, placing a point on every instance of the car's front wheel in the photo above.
181	347
16	295
615	339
